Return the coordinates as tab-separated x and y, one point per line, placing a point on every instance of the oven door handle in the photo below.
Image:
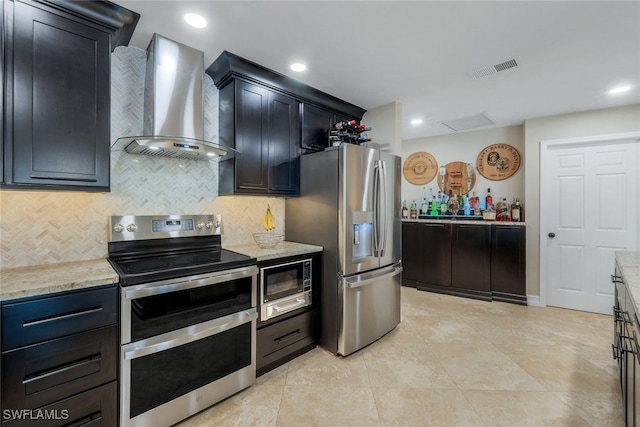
173	285
186	335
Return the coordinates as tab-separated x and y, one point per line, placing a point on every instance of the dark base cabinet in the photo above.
470	258
434	265
508	246
626	350
285	340
59	359
411	252
481	261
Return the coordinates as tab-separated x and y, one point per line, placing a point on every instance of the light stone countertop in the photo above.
284	249
465	221
35	280
629	264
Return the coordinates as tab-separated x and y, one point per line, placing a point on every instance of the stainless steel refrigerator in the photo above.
350	204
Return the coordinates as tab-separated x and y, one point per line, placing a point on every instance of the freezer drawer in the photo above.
370	307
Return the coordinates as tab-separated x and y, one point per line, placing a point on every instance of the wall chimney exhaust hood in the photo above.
173	123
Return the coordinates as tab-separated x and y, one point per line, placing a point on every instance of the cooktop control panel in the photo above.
141	227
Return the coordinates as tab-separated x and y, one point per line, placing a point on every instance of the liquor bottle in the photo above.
413	210
424	209
502	210
443	207
515	211
405	211
430	199
434	207
488	199
466	205
473	200
460	199
453	204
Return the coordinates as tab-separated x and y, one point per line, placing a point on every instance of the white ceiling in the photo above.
419	53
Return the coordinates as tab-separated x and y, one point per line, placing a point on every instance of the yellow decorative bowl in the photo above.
268	240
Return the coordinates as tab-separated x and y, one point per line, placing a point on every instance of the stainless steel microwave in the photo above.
284	288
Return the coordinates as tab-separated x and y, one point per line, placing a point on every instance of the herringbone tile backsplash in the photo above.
40	227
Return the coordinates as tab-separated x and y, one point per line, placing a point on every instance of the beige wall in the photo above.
465	147
386	127
588	123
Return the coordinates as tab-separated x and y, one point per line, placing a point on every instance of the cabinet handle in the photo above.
616	279
64	316
89	360
288	336
55	178
94	419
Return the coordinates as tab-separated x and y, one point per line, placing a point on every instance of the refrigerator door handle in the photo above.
383	207
368	279
376	210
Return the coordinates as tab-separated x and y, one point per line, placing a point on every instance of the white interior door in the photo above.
588	210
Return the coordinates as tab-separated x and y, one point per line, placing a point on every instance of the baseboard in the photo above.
534	301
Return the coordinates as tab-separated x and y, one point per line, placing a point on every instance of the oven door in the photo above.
187	344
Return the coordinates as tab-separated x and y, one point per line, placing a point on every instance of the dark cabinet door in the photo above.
283	142
508	260
316	123
251	136
61	101
471	257
410	253
435	265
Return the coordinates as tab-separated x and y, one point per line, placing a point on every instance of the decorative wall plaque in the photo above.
498	161
420	168
457	177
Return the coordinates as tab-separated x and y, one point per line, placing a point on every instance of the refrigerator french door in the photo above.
350	205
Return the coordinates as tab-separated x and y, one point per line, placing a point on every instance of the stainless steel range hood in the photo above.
173	123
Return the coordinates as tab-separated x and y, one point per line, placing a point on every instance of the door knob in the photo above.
552	235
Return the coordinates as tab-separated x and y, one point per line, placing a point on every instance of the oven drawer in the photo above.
277	341
43	373
93	408
42	319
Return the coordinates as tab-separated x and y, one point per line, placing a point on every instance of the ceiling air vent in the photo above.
469	122
493	69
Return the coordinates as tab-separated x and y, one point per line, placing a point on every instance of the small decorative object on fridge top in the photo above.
348	131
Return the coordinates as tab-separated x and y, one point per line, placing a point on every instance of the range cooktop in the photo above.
144	249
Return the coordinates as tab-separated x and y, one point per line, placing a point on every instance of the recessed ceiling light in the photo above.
298	67
195	20
619	89
416	122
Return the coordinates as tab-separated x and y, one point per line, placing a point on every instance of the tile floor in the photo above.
451	362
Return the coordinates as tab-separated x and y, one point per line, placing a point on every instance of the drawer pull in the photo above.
288	336
616	279
63	178
64	316
94	419
74	365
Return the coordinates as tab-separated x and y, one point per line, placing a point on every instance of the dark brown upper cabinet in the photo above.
270	119
57	99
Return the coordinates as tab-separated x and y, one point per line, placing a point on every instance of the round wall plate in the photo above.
420	168
498	161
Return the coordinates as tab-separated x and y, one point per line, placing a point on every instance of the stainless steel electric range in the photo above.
188	311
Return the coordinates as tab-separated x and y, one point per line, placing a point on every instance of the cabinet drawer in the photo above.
277	340
93	408
29	322
46	372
